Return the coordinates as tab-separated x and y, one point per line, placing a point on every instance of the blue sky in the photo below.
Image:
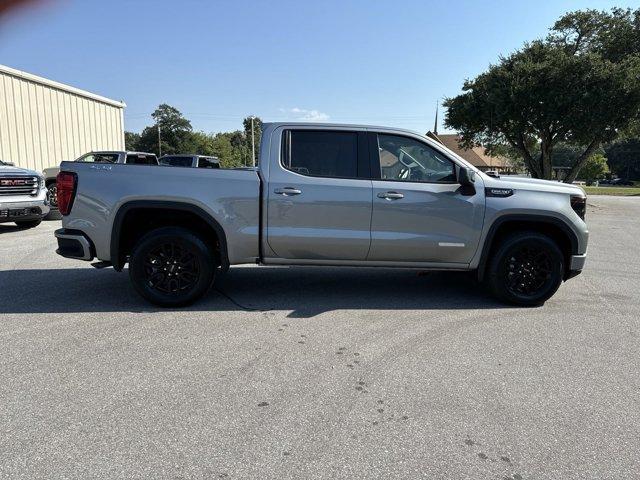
375	62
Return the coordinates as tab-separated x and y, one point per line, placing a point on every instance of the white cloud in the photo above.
305	115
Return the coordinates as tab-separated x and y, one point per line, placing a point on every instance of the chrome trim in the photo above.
19	185
366	263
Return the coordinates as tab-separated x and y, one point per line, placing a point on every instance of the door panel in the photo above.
430	223
328	220
319	217
419	213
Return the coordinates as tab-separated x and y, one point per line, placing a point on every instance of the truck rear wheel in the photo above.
171	267
526	269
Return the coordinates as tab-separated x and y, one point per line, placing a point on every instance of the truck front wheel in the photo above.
526	269
28	223
171	267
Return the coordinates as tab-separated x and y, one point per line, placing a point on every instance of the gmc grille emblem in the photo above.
12	183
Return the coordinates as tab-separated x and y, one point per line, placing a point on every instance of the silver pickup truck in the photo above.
23	197
339	195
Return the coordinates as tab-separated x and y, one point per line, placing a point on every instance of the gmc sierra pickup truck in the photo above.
23	196
336	195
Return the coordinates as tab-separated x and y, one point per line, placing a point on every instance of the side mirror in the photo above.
466	177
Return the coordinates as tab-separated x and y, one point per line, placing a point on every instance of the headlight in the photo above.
41	182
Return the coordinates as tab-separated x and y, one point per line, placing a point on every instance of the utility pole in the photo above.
253	144
159	143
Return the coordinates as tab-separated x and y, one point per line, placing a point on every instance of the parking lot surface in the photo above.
320	373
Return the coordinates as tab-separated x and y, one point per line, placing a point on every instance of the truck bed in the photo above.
231	197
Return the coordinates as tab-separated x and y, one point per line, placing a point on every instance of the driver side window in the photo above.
406	159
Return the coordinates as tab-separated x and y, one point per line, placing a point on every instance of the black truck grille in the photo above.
18	186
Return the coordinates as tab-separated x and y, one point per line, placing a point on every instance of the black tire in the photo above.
28	223
526	269
52	190
171	267
54	214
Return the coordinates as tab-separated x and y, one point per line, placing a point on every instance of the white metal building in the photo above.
43	122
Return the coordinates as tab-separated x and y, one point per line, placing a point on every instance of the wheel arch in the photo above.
557	229
157	214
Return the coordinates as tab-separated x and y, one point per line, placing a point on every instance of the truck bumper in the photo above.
74	244
23	211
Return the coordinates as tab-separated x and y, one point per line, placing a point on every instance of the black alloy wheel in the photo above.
529	269
526	269
172	267
52	188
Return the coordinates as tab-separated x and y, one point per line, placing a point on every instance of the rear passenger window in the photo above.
208	162
142	159
176	161
99	158
321	154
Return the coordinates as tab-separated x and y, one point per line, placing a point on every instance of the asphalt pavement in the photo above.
320	373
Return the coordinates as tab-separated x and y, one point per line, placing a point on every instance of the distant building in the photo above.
43	122
476	156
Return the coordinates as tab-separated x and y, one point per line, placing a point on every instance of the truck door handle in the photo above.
287	191
390	195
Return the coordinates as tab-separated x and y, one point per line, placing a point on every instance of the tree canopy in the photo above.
579	86
233	149
594	168
175	132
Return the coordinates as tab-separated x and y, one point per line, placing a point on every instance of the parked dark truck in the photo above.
324	195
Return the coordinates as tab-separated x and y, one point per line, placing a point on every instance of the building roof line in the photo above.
59	86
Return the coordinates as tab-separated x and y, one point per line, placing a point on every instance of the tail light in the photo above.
66	183
579	205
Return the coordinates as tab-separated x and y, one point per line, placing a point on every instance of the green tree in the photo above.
197	143
233	149
594	168
612	35
257	132
580	86
565	155
175	132
131	141
623	158
230	155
